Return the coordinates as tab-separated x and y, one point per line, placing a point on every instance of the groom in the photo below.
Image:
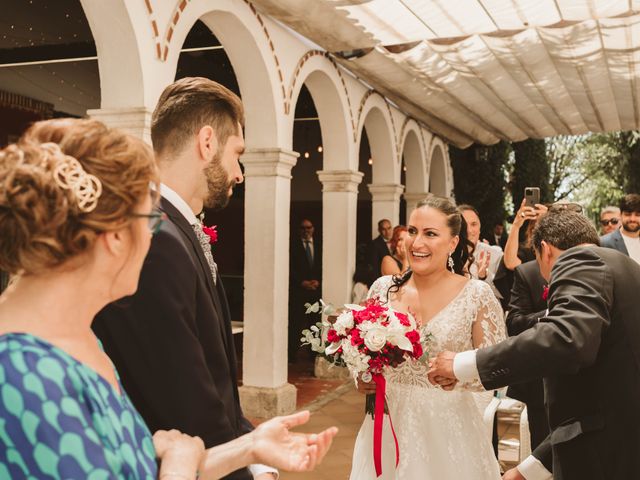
587	348
171	341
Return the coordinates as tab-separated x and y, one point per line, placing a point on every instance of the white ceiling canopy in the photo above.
486	70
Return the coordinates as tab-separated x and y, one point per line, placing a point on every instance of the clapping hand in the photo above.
275	445
441	371
180	454
483	263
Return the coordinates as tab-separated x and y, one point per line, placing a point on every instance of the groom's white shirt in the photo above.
465	368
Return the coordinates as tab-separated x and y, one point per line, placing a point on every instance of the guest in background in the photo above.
305	279
498	236
398	261
380	247
518	248
486	258
609	220
527	305
626	239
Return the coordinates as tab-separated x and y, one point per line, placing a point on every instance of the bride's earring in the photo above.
450	263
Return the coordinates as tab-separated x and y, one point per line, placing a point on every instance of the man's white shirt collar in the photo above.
177	201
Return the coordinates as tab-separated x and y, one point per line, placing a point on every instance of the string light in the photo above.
306	154
320	149
371	161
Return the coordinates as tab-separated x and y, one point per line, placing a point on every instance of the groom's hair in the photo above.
189	104
564	229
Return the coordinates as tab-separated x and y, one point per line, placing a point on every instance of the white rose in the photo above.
343	323
375	339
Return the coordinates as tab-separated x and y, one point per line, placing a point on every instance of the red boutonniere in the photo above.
545	292
212	232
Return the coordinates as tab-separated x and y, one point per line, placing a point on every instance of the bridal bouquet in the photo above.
366	338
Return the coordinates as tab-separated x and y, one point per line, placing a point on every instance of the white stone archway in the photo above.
438	183
339	175
415	160
125	65
245	36
375	116
237	27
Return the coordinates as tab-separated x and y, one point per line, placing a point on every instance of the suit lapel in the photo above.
620	242
178	219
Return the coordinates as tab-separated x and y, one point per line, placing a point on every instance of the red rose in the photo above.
356	339
413	336
417	350
404	319
211	232
545	292
333	336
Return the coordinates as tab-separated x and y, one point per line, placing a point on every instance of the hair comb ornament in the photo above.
87	188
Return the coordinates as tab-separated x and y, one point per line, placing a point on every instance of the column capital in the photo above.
133	120
414	197
340	180
386	191
268	162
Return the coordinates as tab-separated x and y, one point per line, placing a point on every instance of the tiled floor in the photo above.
344	408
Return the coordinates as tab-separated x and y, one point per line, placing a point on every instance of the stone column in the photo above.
339	217
135	120
265	391
412	199
386	204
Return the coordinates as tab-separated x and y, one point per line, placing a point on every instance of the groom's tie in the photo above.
205	240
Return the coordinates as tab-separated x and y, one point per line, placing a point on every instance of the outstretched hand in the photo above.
275	445
441	371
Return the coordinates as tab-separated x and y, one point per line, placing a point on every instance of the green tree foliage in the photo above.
594	170
480	180
531	169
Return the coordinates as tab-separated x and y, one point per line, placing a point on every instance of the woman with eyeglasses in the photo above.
76	219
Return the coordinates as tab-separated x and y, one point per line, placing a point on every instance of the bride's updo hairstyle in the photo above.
56	198
457	226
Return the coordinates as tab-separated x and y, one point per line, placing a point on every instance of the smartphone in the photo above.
532	196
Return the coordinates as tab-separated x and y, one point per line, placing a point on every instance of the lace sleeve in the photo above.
488	328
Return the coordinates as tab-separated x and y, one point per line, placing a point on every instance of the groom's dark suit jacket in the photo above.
172	344
588	351
526	307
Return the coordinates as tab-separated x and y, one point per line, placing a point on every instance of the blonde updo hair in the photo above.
41	224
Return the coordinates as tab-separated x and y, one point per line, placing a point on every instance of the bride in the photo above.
440	434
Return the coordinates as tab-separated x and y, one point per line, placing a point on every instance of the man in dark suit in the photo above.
626	239
498	235
587	348
379	247
305	280
172	341
527	305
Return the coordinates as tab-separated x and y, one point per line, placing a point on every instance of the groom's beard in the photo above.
218	185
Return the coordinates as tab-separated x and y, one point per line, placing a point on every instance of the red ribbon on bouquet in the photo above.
378	417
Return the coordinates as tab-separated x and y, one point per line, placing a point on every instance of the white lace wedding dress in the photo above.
440	434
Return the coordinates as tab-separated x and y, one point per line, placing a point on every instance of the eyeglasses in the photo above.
559	207
612	221
156	218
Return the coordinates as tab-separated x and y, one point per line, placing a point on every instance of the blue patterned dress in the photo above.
59	419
